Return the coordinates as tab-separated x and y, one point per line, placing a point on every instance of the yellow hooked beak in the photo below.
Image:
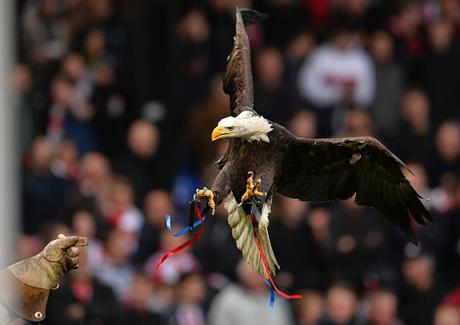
219	132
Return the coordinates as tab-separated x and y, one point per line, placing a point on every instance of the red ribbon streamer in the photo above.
186	244
264	259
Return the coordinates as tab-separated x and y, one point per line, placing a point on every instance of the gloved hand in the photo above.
45	269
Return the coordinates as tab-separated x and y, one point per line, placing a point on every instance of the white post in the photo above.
9	168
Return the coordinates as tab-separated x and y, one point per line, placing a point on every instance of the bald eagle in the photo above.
315	170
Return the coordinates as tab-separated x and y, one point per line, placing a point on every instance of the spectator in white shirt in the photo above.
337	74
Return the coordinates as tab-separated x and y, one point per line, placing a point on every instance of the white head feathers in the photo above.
247	126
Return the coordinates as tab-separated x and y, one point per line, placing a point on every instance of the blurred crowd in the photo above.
116	101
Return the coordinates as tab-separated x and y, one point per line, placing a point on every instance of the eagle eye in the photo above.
230	128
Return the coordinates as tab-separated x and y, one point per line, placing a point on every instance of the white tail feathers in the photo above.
243	233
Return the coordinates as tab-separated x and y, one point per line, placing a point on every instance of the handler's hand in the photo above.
64	250
45	269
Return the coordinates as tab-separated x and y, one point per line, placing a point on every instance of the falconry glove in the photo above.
24	286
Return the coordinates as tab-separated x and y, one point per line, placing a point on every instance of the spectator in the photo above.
433	11
70	117
310	308
288	232
31	111
357	244
192	47
440	64
191	292
447	140
73	67
115	270
102	15
271	89
65	162
405	26
91	192
389	84
111	116
338	73
138	301
447	315
46	33
420	295
158	204
84	224
303	124
141	164
414	138
358	123
122	213
384	309
96	54
41	188
319	221
298	50
246	302
341	306
449	237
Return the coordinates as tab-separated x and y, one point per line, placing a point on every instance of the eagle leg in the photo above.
252	189
206	194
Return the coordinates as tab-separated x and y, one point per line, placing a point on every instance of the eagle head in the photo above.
247	126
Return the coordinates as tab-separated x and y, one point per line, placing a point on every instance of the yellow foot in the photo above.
252	188
206	194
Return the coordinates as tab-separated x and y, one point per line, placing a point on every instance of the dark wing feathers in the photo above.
320	170
238	82
250	16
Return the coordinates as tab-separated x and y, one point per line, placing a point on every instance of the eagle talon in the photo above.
252	189
208	195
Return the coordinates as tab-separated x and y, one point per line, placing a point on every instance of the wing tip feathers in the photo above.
249	16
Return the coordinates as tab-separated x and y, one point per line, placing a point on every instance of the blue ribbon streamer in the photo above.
195	225
168	223
272	293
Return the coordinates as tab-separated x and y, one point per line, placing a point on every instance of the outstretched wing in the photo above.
243	232
319	170
238	76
